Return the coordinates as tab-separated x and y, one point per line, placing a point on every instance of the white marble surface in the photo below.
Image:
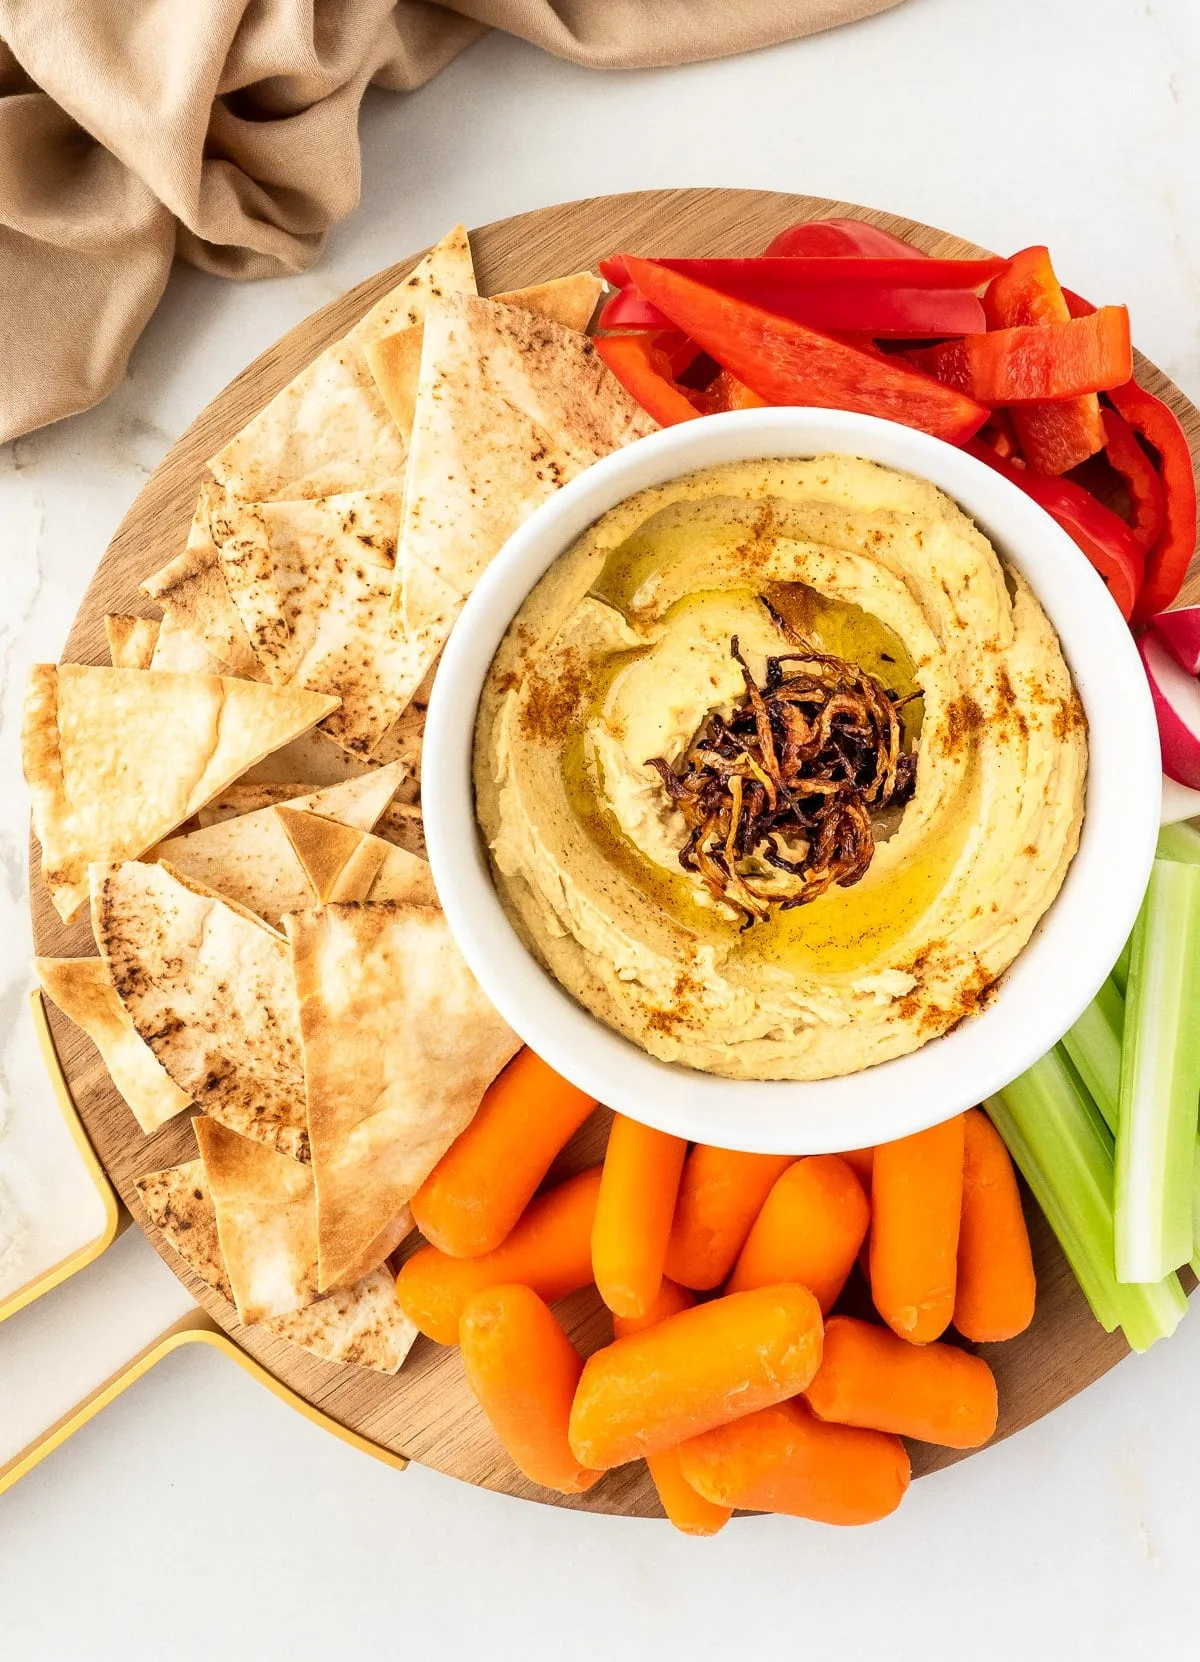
200	1510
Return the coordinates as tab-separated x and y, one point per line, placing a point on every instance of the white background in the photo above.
198	1517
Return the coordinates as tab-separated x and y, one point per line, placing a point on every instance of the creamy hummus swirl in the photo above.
619	655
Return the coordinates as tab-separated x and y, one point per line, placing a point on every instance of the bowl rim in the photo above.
1053	978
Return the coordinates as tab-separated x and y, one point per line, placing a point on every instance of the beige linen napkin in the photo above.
226	131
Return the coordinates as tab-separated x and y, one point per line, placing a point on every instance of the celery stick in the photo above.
1180	842
1160	1079
1120	970
1094	1046
1063	1148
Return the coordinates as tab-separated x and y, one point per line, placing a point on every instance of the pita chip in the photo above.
250	859
266	1221
395	359
346	865
182	653
115	759
191	591
509	408
314	759
84	993
209	988
312	583
130	640
329	429
362	1324
399	1046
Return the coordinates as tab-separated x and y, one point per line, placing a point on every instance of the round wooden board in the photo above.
426	1412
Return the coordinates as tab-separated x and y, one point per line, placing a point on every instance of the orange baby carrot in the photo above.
996	1287
669	1300
916	1205
784	1459
809	1230
523	1370
693	1371
936	1393
860	1161
487	1177
720	1193
550	1250
633	1214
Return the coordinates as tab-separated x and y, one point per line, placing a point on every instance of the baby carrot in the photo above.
669	1300
860	1161
693	1371
487	1177
523	1370
784	1459
550	1250
809	1230
720	1193
996	1287
916	1205
633	1214
936	1393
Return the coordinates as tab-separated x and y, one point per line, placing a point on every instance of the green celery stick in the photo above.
1094	1046
1065	1152
1160	1079
1120	970
1180	842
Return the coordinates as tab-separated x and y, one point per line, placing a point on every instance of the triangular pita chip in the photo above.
266	1221
509	408
329	429
345	865
130	640
312	582
115	759
314	759
399	1046
402	825
185	654
83	991
395	359
209	987
191	591
251	861
362	1324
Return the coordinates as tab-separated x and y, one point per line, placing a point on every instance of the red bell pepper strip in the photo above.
1144	488
1106	540
726	392
747	278
645	373
1000	435
787	363
870	309
627	310
838	238
1056	436
1035	362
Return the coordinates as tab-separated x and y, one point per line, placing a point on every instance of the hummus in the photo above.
622	652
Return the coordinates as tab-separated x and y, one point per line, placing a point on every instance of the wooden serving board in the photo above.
426	1412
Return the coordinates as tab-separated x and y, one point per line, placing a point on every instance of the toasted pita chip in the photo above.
362	1324
130	640
402	825
184	654
315	760
191	591
329	429
209	987
312	582
115	759
399	1046
266	1221
251	861
509	408
83	992
395	359
346	865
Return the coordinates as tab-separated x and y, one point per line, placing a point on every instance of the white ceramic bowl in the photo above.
1044	991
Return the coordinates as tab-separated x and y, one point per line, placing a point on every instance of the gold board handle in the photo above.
196	1327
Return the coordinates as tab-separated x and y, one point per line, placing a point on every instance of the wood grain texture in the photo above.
427	1412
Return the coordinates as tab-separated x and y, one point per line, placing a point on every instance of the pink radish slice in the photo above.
1176	697
1180	632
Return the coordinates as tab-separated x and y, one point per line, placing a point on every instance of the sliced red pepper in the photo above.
787	363
837	237
1106	540
1035	362
870	309
1000	435
627	310
1142	484
746	278
645	373
680	352
726	392
1058	436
